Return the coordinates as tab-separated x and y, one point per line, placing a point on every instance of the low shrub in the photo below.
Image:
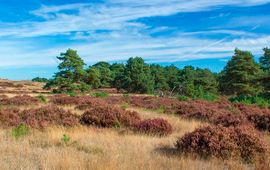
202	110
19	100
64	100
230	119
100	94
109	116
248	100
260	121
155	103
9	117
182	98
48	115
159	127
66	139
241	142
42	98
90	103
259	117
20	131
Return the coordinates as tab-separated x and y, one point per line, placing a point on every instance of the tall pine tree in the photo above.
240	76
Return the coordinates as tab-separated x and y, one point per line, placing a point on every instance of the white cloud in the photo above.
125	37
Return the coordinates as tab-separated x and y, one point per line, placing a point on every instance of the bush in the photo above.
9	117
109	116
39	79
229	119
202	110
66	139
42	98
20	131
64	100
168	104
248	100
259	117
159	127
182	98
100	94
260	121
242	142
19	100
48	115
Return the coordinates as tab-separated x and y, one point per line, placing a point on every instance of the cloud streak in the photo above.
110	31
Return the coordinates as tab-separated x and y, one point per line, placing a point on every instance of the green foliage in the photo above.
20	131
137	77
71	75
126	95
39	79
208	97
100	94
265	65
105	74
93	77
257	100
172	74
66	139
241	75
158	74
182	98
42	98
265	59
196	83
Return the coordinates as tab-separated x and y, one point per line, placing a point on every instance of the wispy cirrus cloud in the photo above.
110	30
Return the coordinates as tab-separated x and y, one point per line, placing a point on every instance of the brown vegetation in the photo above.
223	142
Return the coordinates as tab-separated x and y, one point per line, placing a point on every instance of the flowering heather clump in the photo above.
260	121
90	103
167	104
114	100
159	127
83	101
229	119
109	116
48	115
19	100
259	117
218	141
202	109
64	100
3	96
9	117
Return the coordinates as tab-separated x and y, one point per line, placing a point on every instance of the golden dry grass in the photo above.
93	148
102	149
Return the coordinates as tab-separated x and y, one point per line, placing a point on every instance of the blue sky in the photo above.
201	33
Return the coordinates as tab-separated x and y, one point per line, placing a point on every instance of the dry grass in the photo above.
93	148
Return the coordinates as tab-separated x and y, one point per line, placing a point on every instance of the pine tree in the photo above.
71	73
240	76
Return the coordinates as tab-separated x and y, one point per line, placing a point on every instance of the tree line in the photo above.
241	76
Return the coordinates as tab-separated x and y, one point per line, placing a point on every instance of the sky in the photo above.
202	33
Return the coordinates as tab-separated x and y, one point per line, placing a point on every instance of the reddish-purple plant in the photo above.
109	116
19	100
218	141
229	119
159	127
9	117
49	115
